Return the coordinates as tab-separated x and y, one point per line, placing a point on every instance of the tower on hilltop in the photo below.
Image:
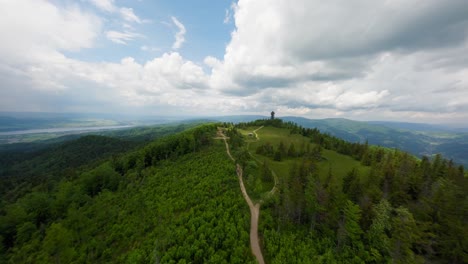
272	115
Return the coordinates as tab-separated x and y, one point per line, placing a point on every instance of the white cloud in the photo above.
212	62
348	56
105	5
180	35
166	80
28	25
129	15
121	37
126	13
394	60
149	48
38	77
228	14
227	17
31	30
34	33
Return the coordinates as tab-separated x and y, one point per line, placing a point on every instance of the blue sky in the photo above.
207	34
365	60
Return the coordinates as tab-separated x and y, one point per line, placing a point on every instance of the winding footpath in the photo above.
255	132
254	208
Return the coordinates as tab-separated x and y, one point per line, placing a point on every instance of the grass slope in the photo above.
333	162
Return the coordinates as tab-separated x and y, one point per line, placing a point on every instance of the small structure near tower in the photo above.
272	115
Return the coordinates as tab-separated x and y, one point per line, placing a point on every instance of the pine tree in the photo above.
349	232
378	240
292	151
404	229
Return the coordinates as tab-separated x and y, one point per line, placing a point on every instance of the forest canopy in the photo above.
177	200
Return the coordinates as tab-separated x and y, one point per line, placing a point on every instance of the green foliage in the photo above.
100	178
403	237
352	185
355	203
177	200
292	151
267	176
349	234
184	207
57	245
379	242
71	154
450	205
32	163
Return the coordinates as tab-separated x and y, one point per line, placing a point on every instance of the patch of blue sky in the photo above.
207	34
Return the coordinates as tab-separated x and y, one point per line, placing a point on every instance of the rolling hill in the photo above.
179	198
418	139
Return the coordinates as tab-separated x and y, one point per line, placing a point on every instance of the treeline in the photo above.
21	171
73	154
324	140
169	147
66	159
281	152
404	210
72	151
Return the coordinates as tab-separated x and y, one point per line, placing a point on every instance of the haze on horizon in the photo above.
389	60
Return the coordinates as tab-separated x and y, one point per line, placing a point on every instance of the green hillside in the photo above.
177	199
418	139
342	202
71	154
330	161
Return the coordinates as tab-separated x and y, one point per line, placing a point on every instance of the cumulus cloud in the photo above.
228	13
386	56
392	60
35	33
68	29
180	35
318	35
37	76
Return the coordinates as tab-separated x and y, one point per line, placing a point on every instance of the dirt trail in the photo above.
255	132
254	209
254	214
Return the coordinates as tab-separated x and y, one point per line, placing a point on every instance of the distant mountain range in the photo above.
416	138
422	127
